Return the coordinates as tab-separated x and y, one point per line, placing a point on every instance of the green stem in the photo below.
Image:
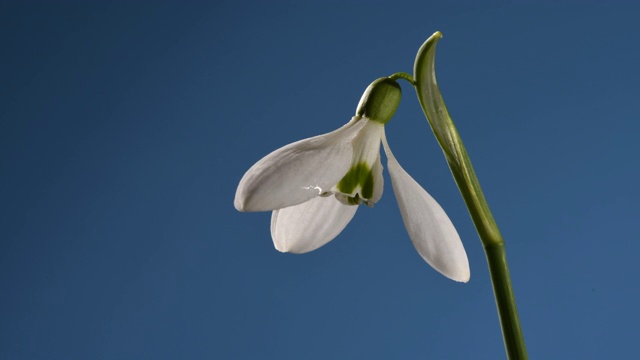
494	249
456	155
506	302
403	75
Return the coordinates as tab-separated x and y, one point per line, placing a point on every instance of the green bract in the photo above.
380	100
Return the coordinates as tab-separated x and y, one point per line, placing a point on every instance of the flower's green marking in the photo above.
354	200
359	175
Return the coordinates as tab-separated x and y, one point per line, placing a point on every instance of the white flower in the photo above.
314	187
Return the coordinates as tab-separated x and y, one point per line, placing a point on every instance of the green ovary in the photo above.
359	175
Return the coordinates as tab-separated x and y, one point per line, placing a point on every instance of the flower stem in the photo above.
403	75
506	302
456	155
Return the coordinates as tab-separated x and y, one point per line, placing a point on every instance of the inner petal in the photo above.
361	182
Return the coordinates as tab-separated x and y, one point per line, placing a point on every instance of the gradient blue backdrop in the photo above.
126	126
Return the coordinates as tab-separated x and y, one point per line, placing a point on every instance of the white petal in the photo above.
378	181
432	233
306	227
298	172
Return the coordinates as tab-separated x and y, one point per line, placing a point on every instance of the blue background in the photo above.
126	126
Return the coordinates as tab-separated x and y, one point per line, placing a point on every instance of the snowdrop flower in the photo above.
314	187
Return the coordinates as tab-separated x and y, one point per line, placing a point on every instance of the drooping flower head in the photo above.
314	187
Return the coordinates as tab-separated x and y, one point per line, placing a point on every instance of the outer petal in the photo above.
306	227
432	233
298	172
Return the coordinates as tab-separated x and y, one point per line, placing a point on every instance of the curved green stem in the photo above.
403	75
456	155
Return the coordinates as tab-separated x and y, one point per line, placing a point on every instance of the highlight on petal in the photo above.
298	172
305	227
432	233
